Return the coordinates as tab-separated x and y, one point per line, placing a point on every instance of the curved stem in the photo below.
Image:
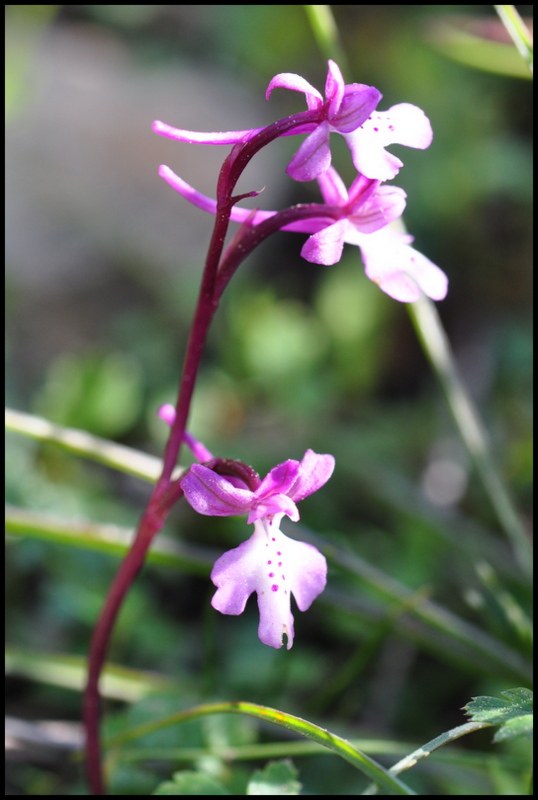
249	237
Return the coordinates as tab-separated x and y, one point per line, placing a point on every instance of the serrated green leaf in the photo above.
189	782
522	726
513	711
278	777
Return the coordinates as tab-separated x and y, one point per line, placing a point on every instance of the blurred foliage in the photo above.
300	356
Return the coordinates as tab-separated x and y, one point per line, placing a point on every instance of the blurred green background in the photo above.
103	265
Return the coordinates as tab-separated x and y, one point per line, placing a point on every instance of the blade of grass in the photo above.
70	672
116	456
390	784
518	31
110	539
325	32
432	336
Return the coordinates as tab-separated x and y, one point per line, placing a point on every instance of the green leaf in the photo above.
191	783
514	713
278	777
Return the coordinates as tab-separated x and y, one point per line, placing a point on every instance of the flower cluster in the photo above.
360	215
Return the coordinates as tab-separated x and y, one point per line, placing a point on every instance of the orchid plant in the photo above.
269	562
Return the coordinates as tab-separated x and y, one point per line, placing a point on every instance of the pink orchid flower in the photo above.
362	219
344	109
268	563
348	109
398	269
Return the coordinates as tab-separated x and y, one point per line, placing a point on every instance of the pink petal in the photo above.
308	574
187	191
274	566
200	451
408	125
315	471
167	413
273	505
383	207
235	574
362	188
279	479
397	285
213	495
334	88
358	103
313	156
201	137
429	277
288	80
325	247
370	158
400	270
333	188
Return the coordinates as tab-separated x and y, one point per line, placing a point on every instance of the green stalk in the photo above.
435	344
518	31
325	32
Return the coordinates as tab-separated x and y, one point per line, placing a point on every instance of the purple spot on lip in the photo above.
274	587
271	574
269	562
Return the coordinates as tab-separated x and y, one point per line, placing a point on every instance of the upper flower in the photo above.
345	108
268	563
348	109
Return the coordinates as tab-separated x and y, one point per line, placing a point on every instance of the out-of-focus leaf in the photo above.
514	713
190	783
278	777
479	43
